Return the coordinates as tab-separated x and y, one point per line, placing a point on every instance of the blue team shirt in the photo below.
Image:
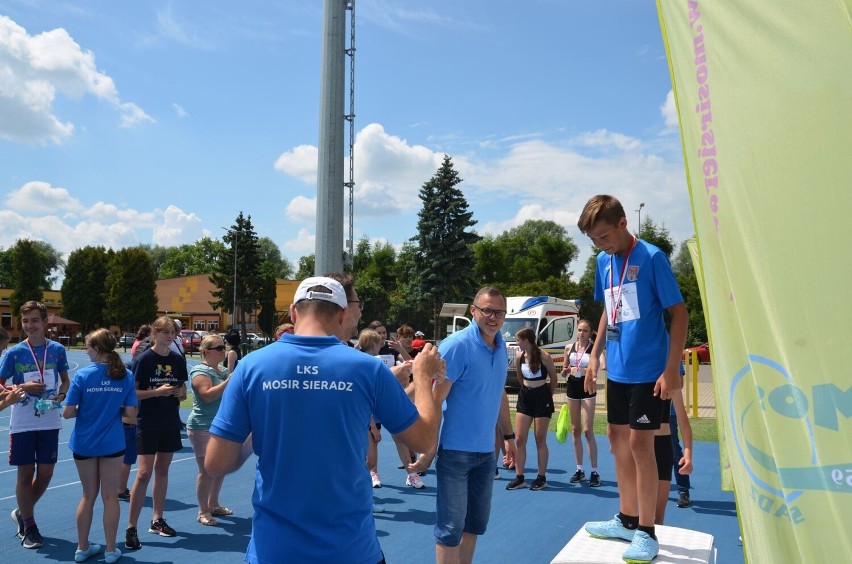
307	402
478	374
18	361
99	399
641	353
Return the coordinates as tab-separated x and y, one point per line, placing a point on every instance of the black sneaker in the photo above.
683	500
594	479
516	484
32	538
539	483
125	495
16	517
159	527
578	476
131	539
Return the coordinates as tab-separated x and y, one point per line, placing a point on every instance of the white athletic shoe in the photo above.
377	483
414	481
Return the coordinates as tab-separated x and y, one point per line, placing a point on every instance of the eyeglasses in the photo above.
359	302
220	348
488	312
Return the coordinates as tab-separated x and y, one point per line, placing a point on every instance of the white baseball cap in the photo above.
419	334
179	324
335	294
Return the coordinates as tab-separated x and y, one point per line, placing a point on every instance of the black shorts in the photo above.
152	442
535	402
634	405
113	455
576	389
665	457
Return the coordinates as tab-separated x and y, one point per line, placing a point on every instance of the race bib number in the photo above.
627	308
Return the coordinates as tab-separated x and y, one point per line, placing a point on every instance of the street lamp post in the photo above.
639	228
234	303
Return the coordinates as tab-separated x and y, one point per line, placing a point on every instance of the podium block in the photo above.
677	546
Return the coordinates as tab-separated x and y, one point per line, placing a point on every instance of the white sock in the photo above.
595	470
580	467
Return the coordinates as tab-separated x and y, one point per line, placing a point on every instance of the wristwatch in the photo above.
509	437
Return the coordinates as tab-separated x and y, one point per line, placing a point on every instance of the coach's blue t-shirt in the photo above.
307	402
98	430
649	287
478	374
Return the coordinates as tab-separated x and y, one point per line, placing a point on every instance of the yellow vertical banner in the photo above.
764	96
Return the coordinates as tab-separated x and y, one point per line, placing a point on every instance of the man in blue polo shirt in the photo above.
476	402
307	400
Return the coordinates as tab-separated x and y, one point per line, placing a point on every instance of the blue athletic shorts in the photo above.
30	447
130	447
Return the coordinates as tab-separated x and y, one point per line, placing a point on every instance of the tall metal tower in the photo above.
330	183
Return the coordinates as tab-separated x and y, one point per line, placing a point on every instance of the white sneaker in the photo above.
414	481
377	483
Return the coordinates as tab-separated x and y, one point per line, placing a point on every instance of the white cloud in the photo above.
302	209
303	244
179	110
33	69
300	162
176	227
606	139
37	197
669	111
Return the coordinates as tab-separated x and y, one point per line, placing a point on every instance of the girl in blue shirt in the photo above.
99	395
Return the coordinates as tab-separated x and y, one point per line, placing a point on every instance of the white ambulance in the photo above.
554	321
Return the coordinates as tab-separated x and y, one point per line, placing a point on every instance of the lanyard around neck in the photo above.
617	299
43	363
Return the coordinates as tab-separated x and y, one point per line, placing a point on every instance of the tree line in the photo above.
446	261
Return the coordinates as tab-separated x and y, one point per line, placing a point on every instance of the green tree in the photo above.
375	268
531	252
84	287
158	255
658	236
406	304
241	239
689	289
276	264
306	267
590	308
444	259
131	289
27	274
49	262
199	257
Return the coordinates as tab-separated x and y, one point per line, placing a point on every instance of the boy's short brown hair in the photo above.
600	208
33	305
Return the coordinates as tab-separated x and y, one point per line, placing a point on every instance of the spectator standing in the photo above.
208	380
581	404
535	406
232	337
303	382
99	396
39	367
160	386
476	403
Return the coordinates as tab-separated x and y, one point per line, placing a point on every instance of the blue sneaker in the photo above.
83	555
112	557
612	529
642	549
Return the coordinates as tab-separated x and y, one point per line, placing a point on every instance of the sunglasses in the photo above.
220	348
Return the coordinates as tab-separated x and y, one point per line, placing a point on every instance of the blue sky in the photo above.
157	122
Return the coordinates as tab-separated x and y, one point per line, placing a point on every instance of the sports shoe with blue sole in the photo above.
612	529
642	549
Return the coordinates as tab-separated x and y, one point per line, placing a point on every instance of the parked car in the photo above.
127	340
191	340
255	340
703	351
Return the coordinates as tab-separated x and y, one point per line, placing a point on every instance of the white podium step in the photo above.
677	546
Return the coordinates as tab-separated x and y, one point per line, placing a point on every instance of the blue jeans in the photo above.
465	484
681	479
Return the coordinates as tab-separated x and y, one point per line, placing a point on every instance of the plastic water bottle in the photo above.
44	405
